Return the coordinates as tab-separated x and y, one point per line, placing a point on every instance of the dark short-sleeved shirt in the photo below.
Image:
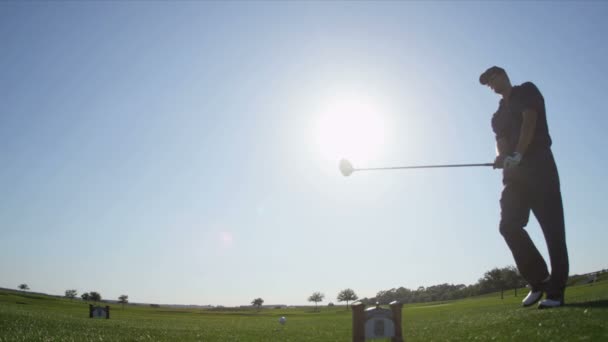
506	122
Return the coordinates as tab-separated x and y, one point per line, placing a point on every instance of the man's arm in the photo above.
527	129
526	134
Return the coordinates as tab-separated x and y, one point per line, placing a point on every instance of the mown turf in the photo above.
26	317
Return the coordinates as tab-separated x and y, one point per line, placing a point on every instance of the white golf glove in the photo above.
512	160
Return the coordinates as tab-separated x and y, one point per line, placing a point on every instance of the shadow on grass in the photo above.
590	304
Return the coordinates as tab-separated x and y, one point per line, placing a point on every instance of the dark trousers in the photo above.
534	186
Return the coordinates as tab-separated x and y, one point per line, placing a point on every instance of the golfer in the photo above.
531	182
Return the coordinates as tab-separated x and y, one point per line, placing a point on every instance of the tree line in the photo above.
346	295
494	280
93	296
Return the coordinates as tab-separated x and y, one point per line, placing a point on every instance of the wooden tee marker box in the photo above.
376	322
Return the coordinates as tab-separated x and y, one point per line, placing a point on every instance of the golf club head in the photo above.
346	168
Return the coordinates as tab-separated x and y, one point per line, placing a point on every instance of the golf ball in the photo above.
282	320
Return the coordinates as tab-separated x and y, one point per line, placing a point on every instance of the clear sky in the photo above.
187	152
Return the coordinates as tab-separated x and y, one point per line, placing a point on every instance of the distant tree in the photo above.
347	295
85	296
512	278
494	280
24	287
257	303
330	304
95	296
123	299
316	297
71	294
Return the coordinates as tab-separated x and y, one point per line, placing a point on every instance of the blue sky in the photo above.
187	152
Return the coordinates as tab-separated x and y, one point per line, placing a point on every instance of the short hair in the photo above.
484	78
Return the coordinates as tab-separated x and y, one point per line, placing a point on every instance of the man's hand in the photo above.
512	160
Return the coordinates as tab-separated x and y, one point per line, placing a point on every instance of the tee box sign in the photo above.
99	312
379	323
376	322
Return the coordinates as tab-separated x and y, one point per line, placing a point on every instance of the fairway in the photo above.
30	317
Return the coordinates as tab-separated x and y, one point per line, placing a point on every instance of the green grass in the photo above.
26	317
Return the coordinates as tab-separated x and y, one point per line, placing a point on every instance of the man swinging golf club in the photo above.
531	182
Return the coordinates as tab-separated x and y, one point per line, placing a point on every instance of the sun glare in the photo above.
352	127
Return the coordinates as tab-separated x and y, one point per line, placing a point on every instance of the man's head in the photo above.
496	78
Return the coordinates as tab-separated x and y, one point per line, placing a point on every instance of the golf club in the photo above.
347	168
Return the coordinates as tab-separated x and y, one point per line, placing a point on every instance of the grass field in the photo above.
29	317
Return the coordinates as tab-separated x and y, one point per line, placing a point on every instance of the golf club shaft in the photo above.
422	166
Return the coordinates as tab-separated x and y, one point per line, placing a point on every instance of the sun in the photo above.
352	127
